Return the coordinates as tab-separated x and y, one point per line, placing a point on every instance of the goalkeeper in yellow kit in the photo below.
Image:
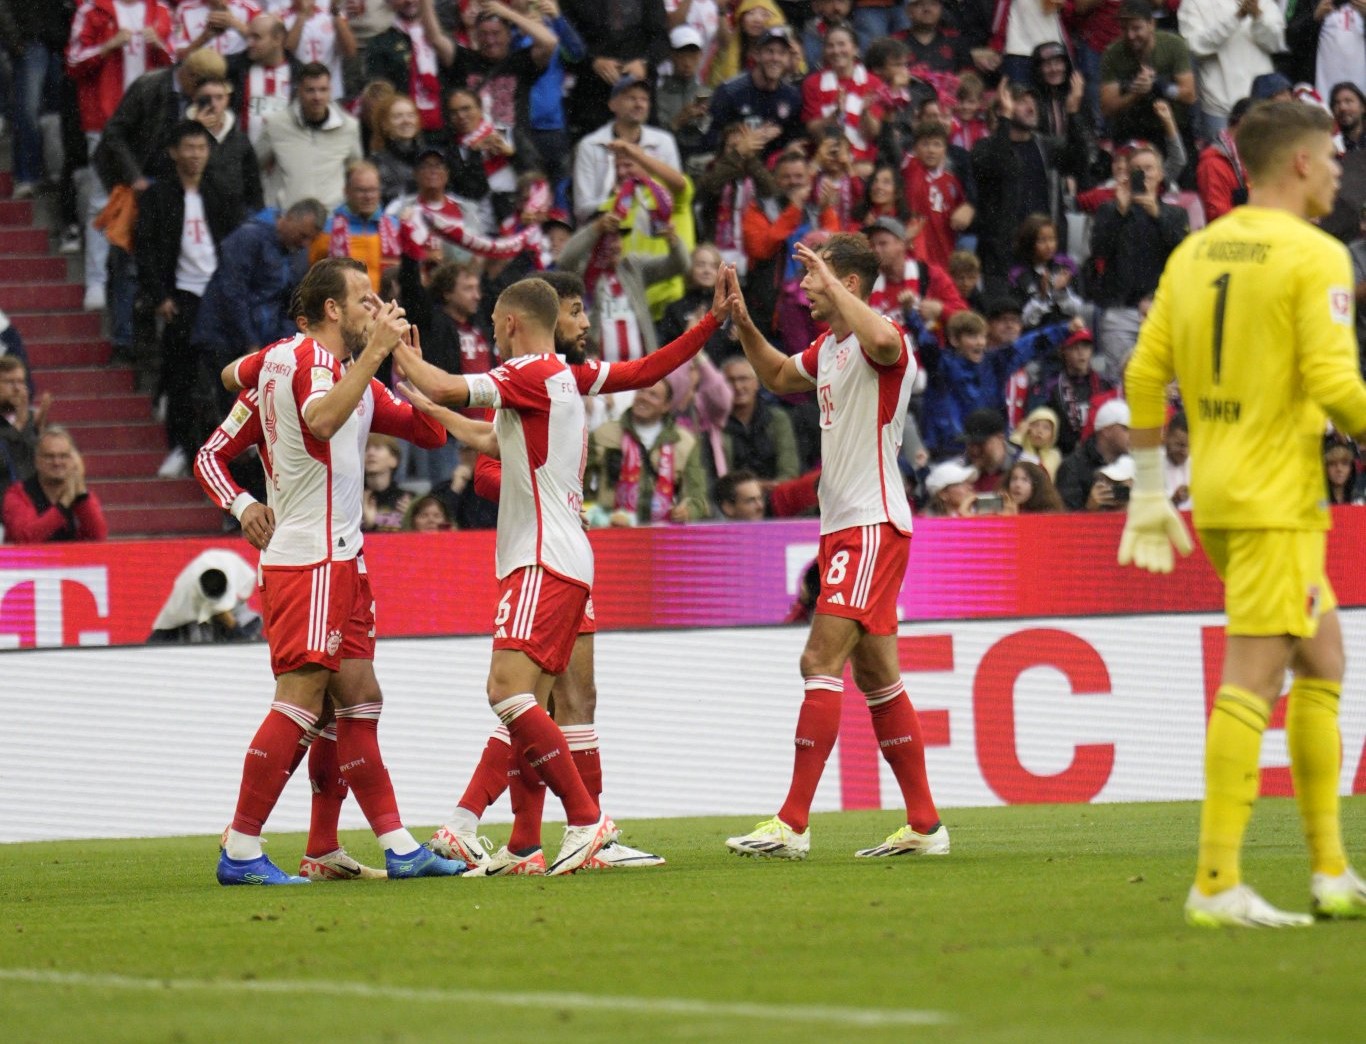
1253	317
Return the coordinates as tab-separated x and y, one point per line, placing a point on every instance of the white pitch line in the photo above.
582	1001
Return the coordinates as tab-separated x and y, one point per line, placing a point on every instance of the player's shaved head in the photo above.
1271	132
850	253
534	300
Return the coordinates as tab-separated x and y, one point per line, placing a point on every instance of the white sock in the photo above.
462	821
242	846
399	841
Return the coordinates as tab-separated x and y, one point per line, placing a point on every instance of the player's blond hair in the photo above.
1272	130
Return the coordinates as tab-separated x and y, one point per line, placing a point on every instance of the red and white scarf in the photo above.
423	222
850	92
493	162
424	75
883	299
628	483
340	245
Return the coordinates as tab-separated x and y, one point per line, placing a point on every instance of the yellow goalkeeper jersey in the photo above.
1254	318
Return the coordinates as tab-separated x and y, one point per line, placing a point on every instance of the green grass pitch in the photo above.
1050	923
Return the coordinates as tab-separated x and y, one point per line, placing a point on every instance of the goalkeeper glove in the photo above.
1153	526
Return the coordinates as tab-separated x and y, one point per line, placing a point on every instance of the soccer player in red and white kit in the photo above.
318	609
573	700
544	562
863	371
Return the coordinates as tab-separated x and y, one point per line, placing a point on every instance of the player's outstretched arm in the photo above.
653	368
476	434
448	389
778	372
326	415
879	338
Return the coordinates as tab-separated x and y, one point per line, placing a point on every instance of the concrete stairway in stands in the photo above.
93	395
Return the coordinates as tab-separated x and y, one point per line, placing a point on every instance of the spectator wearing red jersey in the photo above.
935	195
905	284
113	42
772	225
264	77
54	504
835	99
1219	174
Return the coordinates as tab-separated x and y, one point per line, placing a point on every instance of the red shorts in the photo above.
539	614
589	623
861	572
319	614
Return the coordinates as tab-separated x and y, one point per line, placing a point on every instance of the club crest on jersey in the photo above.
1340	305
842	357
1312	602
784	110
588	608
334	640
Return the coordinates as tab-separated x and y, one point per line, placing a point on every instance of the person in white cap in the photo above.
1117	478
1077	478
949	489
680	99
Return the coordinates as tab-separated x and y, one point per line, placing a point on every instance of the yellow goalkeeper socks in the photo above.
1315	745
1233	746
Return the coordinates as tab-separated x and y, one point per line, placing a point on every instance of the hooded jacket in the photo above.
1047	454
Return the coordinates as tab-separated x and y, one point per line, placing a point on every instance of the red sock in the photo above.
490	777
897	727
362	766
583	748
329	793
532	727
528	804
818	726
268	764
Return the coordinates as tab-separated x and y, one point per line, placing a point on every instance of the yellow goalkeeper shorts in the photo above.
1274	579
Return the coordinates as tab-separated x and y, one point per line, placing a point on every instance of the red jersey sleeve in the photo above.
810	360
599	378
520	383
395	417
488	477
239	431
248	369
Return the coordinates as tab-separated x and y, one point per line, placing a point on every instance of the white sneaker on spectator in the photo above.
22	190
94	298
176	465
72	240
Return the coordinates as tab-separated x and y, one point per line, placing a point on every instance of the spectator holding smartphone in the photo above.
1080	483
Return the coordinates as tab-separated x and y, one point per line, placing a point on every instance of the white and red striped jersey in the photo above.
862	416
825	95
193	15
265	89
543	440
315	484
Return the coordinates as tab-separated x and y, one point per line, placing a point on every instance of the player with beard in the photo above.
562	663
574	697
315	595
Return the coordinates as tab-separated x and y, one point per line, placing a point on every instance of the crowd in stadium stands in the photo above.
1022	168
